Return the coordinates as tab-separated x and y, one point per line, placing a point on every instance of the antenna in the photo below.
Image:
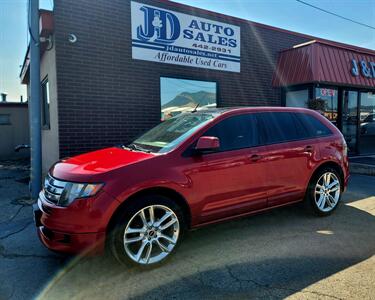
195	108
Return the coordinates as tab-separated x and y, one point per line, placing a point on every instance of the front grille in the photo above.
53	189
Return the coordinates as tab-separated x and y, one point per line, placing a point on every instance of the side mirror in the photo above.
207	144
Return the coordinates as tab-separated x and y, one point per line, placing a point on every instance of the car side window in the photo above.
312	126
280	127
236	132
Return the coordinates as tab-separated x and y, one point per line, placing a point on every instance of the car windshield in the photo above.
169	134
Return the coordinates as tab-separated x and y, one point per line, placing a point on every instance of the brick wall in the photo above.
106	98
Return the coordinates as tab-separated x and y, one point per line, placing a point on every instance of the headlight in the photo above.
74	191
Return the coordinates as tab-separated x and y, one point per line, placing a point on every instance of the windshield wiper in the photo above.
137	148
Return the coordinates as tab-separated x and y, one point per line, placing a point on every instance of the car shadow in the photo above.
271	255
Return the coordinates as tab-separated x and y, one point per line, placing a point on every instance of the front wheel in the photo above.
148	233
324	192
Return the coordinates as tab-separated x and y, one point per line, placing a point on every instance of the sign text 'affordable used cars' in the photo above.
169	37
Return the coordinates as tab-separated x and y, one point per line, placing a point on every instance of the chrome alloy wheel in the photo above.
151	234
327	192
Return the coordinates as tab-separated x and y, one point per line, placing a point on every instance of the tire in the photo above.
137	241
322	199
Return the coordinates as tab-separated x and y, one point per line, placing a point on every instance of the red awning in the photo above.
322	62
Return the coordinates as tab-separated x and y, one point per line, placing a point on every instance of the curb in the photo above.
363	169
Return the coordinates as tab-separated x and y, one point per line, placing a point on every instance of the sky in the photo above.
13	45
292	15
288	14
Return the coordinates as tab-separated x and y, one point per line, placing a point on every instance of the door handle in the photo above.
308	149
255	157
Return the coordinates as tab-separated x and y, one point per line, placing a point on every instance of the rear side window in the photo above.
278	127
236	132
312	126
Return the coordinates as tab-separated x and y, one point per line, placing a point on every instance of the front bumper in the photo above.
78	228
85	243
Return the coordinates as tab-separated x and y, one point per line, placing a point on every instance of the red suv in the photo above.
191	170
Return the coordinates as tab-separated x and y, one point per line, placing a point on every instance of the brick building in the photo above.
14	129
107	67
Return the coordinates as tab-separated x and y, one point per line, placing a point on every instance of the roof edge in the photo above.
332	44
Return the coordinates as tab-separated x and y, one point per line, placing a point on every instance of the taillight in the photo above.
344	147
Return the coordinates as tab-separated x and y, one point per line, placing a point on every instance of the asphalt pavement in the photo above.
284	253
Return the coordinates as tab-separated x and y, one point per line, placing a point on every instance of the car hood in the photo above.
97	162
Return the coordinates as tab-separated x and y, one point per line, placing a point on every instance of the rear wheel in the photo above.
147	233
324	192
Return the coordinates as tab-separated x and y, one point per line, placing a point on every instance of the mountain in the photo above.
192	99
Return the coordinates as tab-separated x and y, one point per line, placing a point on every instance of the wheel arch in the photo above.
330	164
163	191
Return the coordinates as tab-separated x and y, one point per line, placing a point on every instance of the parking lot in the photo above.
279	254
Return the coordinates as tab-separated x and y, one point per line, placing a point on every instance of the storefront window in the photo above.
179	95
350	119
297	98
367	124
328	103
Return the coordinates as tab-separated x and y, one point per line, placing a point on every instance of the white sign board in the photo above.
174	38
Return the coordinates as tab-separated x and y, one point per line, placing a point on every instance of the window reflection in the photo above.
45	104
367	124
297	98
180	95
327	98
350	119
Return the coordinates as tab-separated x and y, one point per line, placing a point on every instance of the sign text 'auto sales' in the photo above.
169	37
